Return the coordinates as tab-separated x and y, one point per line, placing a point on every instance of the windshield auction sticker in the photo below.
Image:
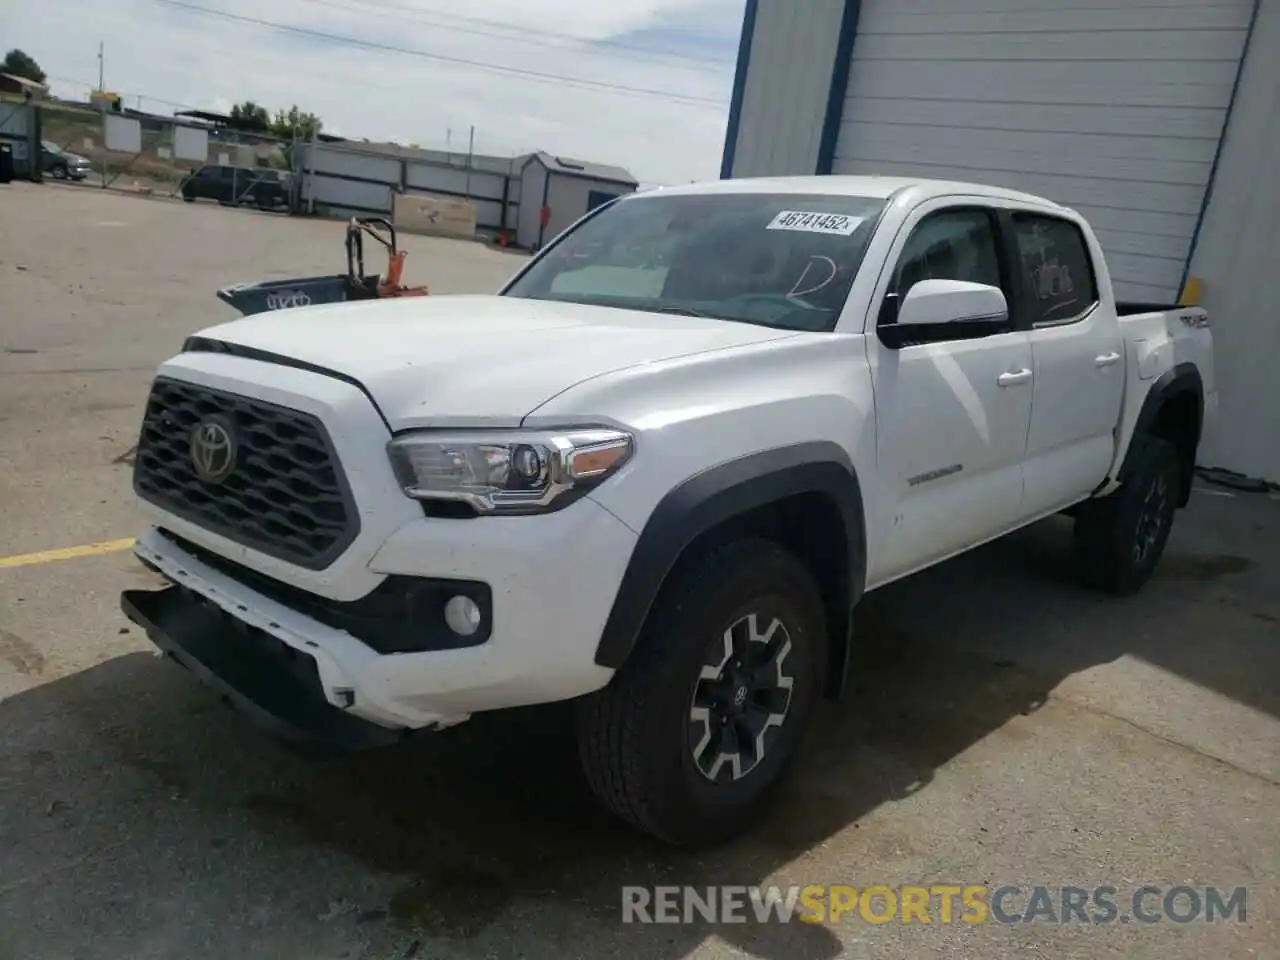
806	222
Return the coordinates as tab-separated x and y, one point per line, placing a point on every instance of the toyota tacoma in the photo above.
654	474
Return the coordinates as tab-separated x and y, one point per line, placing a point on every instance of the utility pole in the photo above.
471	151
102	113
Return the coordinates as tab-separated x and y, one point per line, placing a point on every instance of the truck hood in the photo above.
475	360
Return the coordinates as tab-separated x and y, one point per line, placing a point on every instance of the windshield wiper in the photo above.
680	311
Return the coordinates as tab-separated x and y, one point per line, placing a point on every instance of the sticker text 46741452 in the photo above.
810	222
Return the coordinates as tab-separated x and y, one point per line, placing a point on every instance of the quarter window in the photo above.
1057	269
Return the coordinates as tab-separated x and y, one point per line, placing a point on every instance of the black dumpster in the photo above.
6	163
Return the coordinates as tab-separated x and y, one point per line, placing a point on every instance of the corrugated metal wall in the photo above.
17	123
347	181
785	97
1238	256
1114	108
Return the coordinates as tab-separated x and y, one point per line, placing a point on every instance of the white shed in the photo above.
556	191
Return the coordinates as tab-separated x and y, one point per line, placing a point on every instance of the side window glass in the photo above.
1056	267
947	245
951	245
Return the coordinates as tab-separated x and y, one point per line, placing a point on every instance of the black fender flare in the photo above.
718	494
1182	379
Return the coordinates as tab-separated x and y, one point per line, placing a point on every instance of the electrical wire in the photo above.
533	75
528	35
126	95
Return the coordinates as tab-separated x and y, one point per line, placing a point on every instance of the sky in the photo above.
535	74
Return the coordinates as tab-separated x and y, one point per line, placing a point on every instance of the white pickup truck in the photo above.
656	472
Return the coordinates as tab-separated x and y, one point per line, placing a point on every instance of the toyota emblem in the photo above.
213	452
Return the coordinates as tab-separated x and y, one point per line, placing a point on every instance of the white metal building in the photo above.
510	194
1159	120
347	178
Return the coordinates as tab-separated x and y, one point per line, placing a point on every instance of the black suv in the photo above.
233	186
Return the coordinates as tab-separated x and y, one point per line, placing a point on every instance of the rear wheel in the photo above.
1119	539
703	721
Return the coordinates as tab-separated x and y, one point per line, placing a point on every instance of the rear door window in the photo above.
1057	269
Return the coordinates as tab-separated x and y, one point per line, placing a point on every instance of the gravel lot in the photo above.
1006	728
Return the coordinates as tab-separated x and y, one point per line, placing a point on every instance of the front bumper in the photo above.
260	676
553	581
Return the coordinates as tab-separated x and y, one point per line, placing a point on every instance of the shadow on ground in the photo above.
493	816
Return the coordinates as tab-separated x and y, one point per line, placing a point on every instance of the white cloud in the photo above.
684	48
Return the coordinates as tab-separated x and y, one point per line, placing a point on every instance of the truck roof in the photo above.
856	186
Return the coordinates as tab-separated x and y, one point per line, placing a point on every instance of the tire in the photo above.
58	173
648	741
1119	539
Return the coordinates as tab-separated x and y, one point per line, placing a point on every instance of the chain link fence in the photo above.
75	149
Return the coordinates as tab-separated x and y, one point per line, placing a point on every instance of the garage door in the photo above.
1113	107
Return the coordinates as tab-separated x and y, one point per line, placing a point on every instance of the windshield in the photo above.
51	147
782	260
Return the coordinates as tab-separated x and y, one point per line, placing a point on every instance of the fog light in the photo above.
462	614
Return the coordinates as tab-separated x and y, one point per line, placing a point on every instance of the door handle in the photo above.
1014	377
1107	359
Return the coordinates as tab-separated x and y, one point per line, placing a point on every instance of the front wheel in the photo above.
706	716
1119	539
59	173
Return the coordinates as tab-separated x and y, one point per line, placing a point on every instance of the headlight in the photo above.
507	472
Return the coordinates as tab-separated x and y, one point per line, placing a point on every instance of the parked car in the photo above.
657	485
62	164
234	186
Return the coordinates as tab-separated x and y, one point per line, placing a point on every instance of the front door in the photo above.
1079	364
952	414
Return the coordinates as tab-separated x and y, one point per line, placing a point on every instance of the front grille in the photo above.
285	494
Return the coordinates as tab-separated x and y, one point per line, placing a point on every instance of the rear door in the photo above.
1078	353
951	413
213	183
200	184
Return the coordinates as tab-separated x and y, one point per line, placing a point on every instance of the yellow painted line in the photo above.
66	553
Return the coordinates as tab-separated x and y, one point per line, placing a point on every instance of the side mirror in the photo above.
931	302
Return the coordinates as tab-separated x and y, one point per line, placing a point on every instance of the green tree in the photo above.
20	64
250	117
296	123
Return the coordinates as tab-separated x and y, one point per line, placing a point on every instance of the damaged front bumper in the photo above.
303	679
261	676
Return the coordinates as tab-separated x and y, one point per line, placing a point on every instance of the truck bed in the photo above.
1127	308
